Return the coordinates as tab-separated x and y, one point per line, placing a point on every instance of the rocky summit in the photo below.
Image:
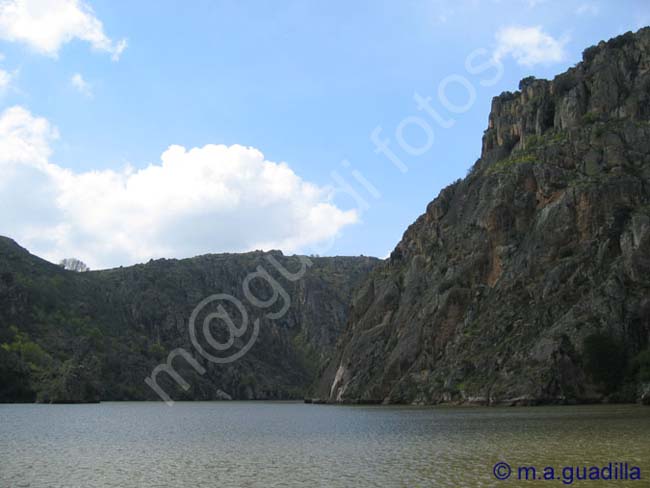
529	280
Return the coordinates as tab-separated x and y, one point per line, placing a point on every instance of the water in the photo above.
290	444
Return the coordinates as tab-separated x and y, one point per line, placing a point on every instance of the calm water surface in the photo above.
290	444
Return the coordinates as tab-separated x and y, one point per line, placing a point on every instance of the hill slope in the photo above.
69	336
529	280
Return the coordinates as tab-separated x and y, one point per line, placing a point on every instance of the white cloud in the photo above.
5	80
588	8
529	46
81	85
206	199
25	139
45	25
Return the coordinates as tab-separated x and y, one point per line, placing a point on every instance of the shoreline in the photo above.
464	405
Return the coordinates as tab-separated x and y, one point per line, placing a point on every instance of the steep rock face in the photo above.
70	337
529	280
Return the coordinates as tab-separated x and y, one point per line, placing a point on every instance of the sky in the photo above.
132	131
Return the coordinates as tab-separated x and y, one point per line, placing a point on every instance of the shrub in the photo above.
589	118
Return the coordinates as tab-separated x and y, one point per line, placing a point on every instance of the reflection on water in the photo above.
289	444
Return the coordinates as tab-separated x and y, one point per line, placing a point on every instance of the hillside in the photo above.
529	280
70	337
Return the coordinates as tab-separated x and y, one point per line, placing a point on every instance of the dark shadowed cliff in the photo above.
70	336
529	280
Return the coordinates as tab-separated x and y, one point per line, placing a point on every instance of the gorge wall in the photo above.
529	280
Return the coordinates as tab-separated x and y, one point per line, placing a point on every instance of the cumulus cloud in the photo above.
529	46
81	85
205	199
45	25
25	139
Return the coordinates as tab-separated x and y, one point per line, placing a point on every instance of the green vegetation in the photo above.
590	118
506	164
76	337
529	154
551	137
14	379
29	352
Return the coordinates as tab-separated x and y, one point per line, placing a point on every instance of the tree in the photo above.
73	264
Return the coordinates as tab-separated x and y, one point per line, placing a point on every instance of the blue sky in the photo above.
94	93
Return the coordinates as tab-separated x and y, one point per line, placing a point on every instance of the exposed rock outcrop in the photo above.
528	281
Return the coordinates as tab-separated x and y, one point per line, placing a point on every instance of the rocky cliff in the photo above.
529	280
69	337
